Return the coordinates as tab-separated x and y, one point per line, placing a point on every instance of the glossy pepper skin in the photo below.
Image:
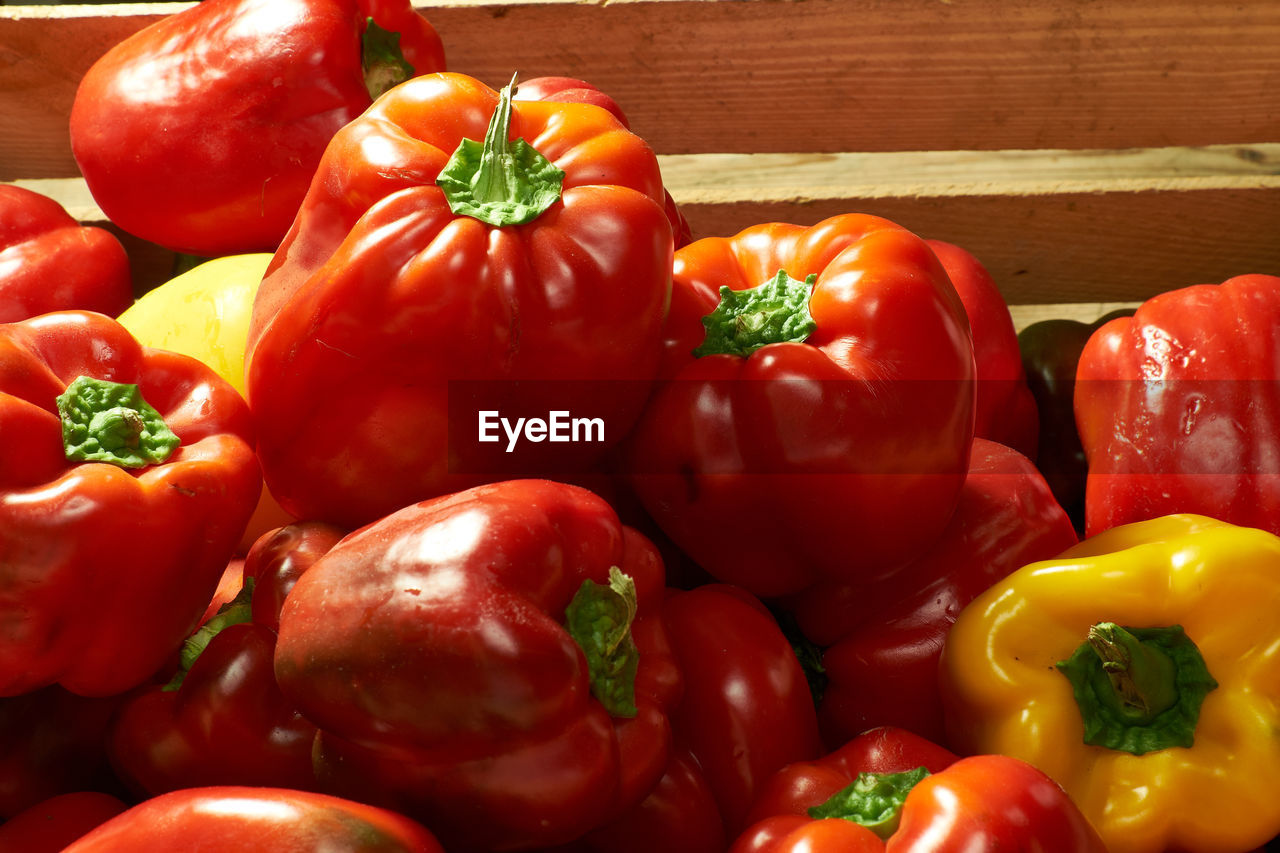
104	569
984	802
745	712
439	651
204	313
856	432
1050	354
1173	762
50	262
250	818
1176	407
384	308
881	643
571	90
1004	408
224	721
234	102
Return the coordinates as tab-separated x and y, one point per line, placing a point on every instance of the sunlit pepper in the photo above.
1141	670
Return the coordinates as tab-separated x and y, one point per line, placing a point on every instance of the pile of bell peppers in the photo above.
826	556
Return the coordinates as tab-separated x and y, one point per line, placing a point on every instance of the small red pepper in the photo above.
221	720
50	262
888	791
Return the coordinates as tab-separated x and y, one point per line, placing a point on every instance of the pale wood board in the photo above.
789	75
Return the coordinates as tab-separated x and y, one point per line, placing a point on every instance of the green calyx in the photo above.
1138	689
500	181
746	320
382	60
873	800
237	611
106	421
599	618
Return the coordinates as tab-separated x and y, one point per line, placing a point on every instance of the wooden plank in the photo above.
790	75
1053	226
1066	247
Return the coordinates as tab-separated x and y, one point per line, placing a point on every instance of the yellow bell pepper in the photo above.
204	313
1166	739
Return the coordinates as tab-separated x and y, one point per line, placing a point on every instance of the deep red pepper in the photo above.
201	131
51	262
1177	408
881	643
442	653
224	720
828	408
1004	409
919	798
253	818
120	505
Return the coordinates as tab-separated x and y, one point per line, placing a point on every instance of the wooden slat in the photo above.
790	75
1053	226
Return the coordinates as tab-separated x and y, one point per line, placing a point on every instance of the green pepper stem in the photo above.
497	166
1142	675
500	181
382	59
873	800
776	311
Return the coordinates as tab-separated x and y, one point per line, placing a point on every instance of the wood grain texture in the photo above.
790	75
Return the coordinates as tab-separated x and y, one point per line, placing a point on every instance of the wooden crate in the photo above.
1090	153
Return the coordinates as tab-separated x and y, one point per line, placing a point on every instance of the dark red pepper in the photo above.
882	642
221	720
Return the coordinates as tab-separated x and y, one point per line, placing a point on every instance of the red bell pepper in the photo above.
492	663
1176	408
221	720
248	818
394	304
201	131
571	90
881	642
51	743
124	488
820	391
50	262
1004	409
888	790
49	826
